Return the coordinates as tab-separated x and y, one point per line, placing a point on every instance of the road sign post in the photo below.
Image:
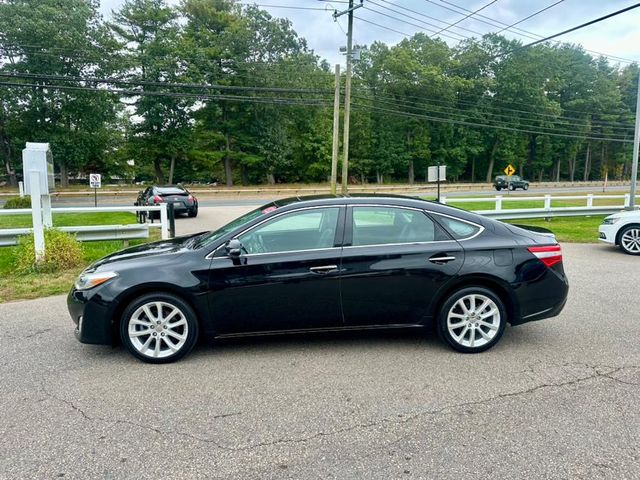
437	173
509	171
95	182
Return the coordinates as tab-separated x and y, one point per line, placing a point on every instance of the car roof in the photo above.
378	199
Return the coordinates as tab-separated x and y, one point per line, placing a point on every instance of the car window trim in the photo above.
349	226
480	227
341	208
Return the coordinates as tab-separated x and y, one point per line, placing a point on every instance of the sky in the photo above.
618	36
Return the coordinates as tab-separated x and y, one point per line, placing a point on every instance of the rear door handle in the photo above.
441	259
324	269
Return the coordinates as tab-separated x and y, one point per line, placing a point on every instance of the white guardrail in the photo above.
9	236
548	210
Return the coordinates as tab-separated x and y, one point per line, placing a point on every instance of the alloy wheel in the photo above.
158	329
473	321
630	240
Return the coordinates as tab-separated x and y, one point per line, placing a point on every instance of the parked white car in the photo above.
622	229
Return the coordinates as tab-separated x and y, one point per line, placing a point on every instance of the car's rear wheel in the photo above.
193	212
472	319
498	188
511	187
630	240
159	328
525	187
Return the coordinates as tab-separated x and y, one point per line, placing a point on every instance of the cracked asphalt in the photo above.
555	399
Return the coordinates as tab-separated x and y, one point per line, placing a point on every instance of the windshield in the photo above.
211	237
170	190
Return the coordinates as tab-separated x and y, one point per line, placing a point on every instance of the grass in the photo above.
19	287
14	286
568	229
71	219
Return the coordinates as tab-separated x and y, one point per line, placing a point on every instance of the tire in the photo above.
512	188
193	212
460	337
498	188
526	187
630	240
154	347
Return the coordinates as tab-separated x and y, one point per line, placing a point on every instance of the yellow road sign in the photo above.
509	170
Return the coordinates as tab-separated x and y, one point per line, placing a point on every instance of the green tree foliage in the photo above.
553	111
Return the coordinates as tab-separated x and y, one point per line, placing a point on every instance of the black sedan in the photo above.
323	263
183	201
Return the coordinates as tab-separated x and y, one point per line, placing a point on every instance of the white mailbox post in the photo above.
37	165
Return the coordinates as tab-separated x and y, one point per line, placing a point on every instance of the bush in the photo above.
18	202
62	252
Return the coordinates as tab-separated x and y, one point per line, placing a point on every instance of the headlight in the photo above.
89	280
610	220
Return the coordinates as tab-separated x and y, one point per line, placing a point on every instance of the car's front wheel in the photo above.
630	240
526	186
193	212
159	328
472	319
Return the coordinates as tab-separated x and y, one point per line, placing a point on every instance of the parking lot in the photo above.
554	399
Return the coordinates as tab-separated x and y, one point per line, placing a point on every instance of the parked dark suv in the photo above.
513	182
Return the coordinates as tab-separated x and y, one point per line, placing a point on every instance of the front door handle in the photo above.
324	269
441	259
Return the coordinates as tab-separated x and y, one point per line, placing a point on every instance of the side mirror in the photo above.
234	248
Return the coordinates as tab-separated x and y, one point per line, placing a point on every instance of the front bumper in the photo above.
92	317
607	233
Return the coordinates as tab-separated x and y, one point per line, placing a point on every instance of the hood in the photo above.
153	249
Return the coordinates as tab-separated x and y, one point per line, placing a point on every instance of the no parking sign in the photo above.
95	180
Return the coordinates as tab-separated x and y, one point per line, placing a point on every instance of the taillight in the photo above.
190	198
548	255
157	199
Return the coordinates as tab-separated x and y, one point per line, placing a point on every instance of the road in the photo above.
235	201
554	399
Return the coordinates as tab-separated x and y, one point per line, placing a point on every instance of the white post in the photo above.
21	189
46	211
498	202
36	215
590	200
627	198
443	200
164	221
547	202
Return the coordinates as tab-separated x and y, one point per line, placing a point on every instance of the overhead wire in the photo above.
467	16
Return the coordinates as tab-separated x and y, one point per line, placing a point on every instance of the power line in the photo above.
582	25
482	125
529	16
601	123
292	7
198	96
518	31
465	114
382	26
117	81
469	15
421	27
572	29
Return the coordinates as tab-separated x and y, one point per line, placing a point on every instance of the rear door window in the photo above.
391	225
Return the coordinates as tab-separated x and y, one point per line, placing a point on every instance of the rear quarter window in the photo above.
459	229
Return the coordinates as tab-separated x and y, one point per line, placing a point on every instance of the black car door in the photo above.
286	279
394	261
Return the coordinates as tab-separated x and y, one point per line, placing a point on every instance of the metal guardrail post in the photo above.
164	221
627	200
547	202
498	202
171	209
590	200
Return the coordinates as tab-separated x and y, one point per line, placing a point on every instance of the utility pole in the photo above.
336	132
347	93
636	145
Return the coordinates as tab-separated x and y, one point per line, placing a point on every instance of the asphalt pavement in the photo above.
554	399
